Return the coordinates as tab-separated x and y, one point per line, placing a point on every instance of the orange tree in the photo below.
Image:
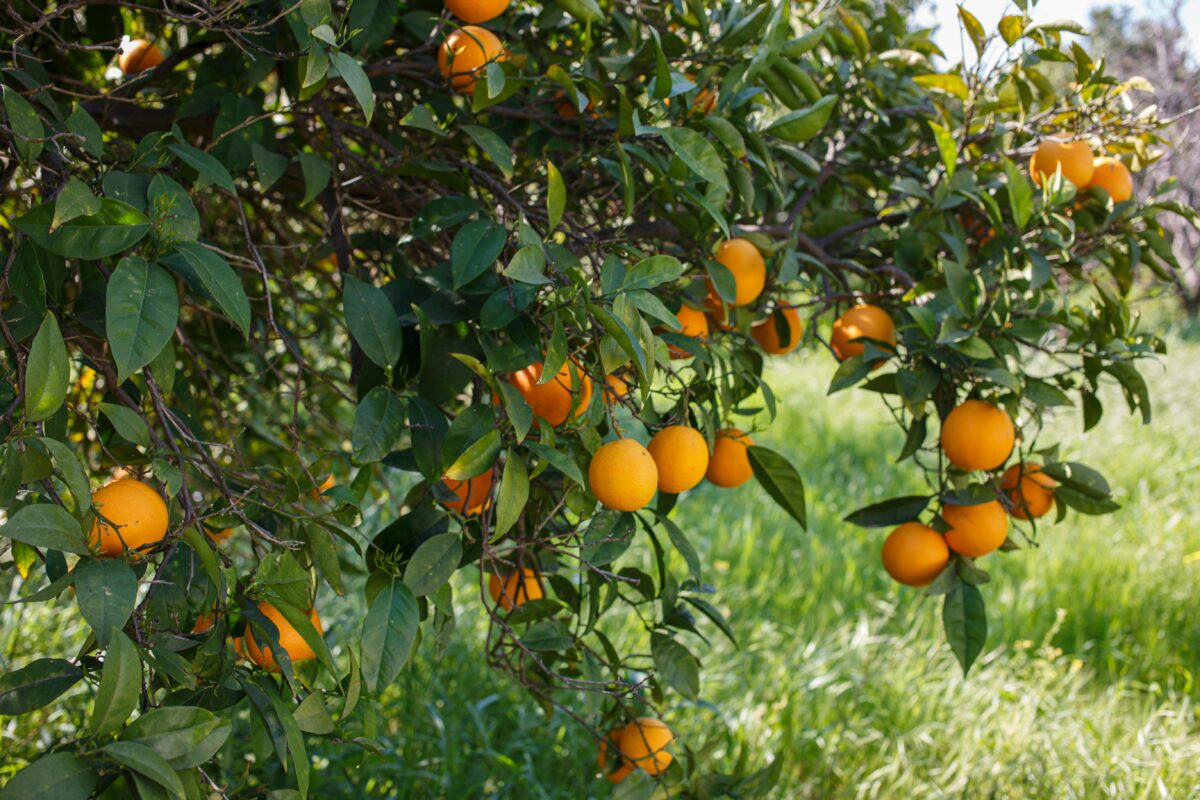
325	290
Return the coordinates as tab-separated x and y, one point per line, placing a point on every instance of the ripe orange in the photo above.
693	323
729	465
473	494
766	333
239	646
644	742
615	388
742	258
204	621
326	484
289	639
621	772
623	475
466	54
1035	497
476	11
681	455
1113	177
517	589
138	55
552	400
977	435
1073	158
137	511
220	536
861	322
915	554
975	530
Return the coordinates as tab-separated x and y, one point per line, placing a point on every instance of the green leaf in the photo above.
47	526
1011	27
186	736
81	124
433	563
47	372
556	196
174	215
974	30
311	715
1020	194
74	200
946	144
373	321
270	165
374	21
36	684
802	125
106	589
950	83
26	125
316	173
681	543
207	167
356	79
528	265
1079	477
116	227
697	153
216	277
965	620
475	248
514	492
889	512
145	762
676	665
120	685
477	458
141	312
496	148
127	422
71	471
378	423
56	776
389	632
558	459
548	636
586	11
651	272
780	480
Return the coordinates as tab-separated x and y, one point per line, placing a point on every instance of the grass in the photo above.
1086	688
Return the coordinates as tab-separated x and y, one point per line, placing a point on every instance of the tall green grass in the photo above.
1086	689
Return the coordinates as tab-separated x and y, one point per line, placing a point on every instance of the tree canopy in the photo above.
360	292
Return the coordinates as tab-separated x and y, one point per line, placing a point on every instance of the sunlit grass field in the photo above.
1086	689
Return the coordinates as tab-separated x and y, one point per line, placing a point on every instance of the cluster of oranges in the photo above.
976	436
468	50
1079	165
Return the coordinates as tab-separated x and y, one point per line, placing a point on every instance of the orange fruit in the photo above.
975	530
977	435
1035	497
623	475
516	589
466	54
138	55
722	317
766	333
644	742
326	484
552	400
1111	175
681	455
239	647
137	511
742	258
220	536
692	323
729	465
615	388
626	766
473	494
1073	158
289	639
204	621
476	11
915	554
861	322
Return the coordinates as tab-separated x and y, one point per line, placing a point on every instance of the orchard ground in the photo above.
1086	689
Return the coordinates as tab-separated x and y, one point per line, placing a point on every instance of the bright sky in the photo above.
945	14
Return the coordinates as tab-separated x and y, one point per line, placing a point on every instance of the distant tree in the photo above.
1156	48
